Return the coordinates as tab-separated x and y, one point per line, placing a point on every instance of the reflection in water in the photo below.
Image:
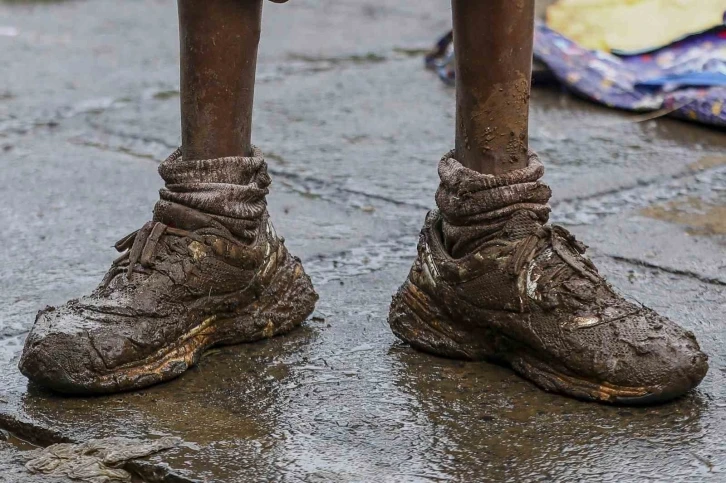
232	400
342	400
491	425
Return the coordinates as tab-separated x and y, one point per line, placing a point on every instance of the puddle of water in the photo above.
701	217
707	162
342	400
16	442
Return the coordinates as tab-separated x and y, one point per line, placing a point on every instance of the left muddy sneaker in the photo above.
493	281
208	270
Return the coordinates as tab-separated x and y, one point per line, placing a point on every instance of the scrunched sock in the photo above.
231	191
475	206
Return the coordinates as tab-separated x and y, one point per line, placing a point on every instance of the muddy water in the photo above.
701	218
701	212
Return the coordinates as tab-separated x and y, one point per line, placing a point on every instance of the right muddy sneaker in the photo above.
208	270
493	281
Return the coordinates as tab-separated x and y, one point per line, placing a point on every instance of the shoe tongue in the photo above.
522	224
179	216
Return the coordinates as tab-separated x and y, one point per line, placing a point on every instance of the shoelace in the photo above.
563	243
139	248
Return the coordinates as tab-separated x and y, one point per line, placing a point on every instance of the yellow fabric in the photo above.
632	24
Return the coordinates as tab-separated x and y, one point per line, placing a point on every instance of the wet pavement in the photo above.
353	129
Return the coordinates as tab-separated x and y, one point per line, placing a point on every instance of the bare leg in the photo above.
493	42
219	40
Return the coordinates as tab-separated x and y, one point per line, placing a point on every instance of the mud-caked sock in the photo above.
228	191
477	207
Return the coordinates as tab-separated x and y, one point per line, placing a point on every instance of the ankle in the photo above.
476	207
224	192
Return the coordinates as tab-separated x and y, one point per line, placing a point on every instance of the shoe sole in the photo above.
284	306
416	319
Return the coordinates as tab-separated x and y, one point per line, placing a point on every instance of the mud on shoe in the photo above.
493	281
208	270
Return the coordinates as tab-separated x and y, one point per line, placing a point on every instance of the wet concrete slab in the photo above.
116	52
676	225
342	400
348	127
352	130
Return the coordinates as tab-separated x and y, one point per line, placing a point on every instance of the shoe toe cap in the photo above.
674	368
60	357
657	355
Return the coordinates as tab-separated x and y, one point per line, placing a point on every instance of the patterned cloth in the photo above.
686	78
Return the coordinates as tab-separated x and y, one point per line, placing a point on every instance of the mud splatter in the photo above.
510	97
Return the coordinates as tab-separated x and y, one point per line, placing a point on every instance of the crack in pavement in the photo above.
674	271
590	209
572	211
304	185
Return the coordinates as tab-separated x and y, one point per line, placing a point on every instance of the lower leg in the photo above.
218	40
218	44
493	42
506	286
209	268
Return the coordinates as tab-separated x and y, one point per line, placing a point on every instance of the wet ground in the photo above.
353	128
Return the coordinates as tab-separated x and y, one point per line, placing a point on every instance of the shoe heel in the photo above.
416	319
285	305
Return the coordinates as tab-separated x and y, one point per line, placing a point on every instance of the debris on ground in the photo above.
632	25
96	461
685	79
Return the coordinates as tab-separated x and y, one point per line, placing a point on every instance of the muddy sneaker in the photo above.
208	270
493	281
